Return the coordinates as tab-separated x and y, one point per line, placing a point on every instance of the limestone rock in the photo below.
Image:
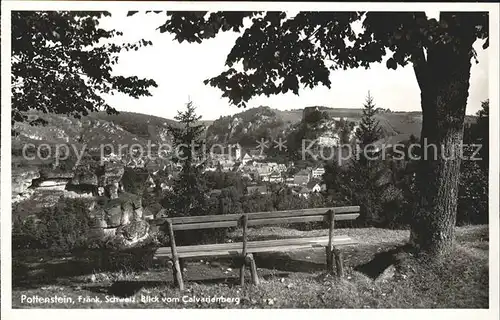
134	231
112	174
112	190
138	214
22	180
113	216
84	177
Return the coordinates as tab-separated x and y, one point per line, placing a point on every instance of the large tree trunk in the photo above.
444	84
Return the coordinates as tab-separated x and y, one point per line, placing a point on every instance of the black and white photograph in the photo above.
249	156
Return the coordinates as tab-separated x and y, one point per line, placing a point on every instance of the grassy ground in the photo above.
288	280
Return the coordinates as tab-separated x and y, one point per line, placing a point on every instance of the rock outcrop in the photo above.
120	221
22	180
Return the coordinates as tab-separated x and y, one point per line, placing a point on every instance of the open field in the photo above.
288	280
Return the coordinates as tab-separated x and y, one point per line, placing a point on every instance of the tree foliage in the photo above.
63	227
279	53
62	62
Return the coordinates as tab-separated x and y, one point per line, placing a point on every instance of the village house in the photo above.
317	173
272	165
265	176
301	191
290	182
257	154
302	177
314	186
281	167
246	159
150	183
275	177
165	186
247	175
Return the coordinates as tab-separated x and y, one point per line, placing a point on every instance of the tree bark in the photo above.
444	84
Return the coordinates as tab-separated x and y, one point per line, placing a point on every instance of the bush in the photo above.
133	180
472	195
26	234
63	227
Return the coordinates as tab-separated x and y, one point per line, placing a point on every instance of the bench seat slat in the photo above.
261	222
339	211
228	249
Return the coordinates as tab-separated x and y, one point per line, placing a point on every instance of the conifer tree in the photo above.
369	129
189	187
365	170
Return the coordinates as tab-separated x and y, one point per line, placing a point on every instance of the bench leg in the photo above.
329	260
177	273
242	271
339	262
253	269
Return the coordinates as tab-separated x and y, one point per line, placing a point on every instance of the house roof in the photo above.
303	172
312	184
255	152
319	168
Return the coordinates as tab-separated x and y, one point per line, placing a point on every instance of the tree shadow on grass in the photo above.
283	262
382	260
32	272
30	276
126	289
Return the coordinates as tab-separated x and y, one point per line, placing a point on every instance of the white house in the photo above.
246	158
318	172
314	186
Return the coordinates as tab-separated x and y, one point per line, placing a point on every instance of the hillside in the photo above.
251	125
264	122
246	127
94	130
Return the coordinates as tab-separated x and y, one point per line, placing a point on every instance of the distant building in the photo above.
290	182
246	158
150	183
257	189
257	154
275	177
303	192
238	152
317	173
247	176
265	176
302	177
281	167
165	186
328	141
314	186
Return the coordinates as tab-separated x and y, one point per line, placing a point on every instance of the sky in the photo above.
179	71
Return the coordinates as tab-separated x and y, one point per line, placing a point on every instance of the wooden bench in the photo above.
246	249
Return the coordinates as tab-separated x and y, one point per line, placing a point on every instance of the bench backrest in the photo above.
262	218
